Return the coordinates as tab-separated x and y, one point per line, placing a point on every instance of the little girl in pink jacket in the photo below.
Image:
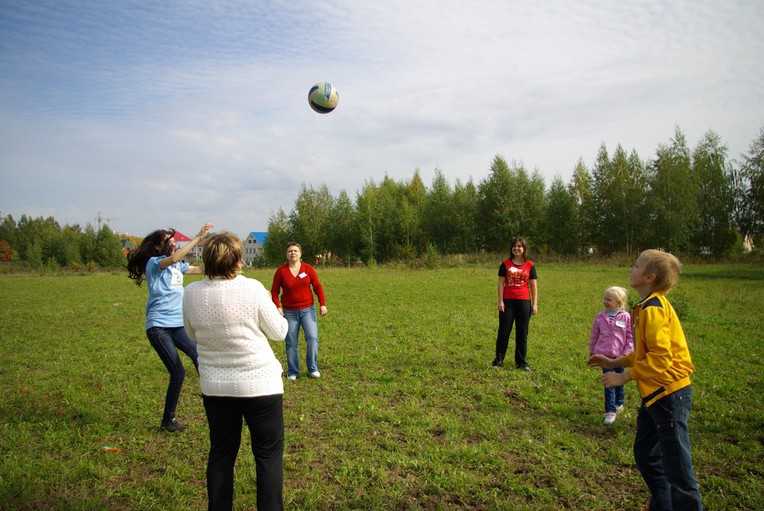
612	336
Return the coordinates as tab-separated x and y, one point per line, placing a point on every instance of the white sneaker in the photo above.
315	374
609	418
292	377
618	409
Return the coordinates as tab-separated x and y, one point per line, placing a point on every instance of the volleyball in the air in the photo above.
323	97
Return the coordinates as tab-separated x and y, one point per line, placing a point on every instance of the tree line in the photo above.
698	202
43	242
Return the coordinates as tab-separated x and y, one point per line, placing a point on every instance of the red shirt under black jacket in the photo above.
295	291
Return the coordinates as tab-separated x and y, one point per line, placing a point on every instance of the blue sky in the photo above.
178	113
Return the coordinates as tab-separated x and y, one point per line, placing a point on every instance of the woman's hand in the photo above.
204	230
501	305
535	309
601	361
323	310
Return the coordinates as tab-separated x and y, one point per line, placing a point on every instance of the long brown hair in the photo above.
516	240
155	244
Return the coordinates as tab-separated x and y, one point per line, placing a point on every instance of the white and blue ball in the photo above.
323	97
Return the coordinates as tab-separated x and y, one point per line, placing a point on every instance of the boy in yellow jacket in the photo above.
661	366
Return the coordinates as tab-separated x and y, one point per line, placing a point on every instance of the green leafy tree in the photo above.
560	219
108	249
635	203
749	190
533	201
715	199
368	213
33	254
88	245
620	194
602	194
391	236
344	234
70	250
465	214
673	199
439	214
279	234
309	220
580	189
498	206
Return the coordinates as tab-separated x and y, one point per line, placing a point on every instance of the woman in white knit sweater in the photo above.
231	317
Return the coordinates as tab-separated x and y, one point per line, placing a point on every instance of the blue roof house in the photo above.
253	246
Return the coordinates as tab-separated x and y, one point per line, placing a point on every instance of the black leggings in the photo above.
265	419
516	312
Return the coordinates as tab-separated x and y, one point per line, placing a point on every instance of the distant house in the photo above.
181	240
254	246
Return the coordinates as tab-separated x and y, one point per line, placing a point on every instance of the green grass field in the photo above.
408	414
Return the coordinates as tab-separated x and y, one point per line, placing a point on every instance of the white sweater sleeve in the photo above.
270	320
186	323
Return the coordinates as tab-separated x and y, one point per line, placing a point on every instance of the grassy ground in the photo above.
408	414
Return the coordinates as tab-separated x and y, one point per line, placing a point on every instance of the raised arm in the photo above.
181	253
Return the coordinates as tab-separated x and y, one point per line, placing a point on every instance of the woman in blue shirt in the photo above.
158	262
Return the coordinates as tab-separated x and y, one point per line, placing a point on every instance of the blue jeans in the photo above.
307	319
613	395
166	342
662	453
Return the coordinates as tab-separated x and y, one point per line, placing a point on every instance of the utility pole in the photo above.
102	219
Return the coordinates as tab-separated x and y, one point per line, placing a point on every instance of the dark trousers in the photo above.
613	395
265	420
517	312
662	453
166	342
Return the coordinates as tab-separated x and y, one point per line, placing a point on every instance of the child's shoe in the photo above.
618	409
609	418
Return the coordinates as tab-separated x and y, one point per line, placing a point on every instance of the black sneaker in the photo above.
173	426
497	362
527	369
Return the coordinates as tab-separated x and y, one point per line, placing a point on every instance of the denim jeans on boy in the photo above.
166	342
307	319
613	395
662	453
